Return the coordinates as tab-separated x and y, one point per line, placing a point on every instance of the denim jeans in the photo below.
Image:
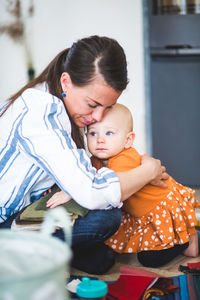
97	225
90	254
7	224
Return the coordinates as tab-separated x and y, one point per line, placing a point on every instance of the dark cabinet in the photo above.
174	93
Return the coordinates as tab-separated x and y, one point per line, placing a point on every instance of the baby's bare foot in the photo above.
193	248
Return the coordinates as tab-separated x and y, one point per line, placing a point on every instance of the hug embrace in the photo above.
42	143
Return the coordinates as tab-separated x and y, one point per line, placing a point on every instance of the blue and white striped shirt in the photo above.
36	151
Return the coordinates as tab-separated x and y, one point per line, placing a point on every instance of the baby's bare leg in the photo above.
193	248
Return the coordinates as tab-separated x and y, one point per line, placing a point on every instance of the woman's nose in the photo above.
97	114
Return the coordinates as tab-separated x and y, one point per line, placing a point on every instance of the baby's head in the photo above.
114	133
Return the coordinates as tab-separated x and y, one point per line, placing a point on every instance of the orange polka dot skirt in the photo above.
169	223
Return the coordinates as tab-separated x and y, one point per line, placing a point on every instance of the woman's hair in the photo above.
86	58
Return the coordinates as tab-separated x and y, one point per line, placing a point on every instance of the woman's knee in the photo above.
110	220
97	224
106	221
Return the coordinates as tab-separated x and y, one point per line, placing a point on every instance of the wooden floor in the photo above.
168	270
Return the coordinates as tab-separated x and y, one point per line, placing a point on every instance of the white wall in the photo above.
56	24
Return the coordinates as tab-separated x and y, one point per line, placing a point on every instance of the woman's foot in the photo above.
193	248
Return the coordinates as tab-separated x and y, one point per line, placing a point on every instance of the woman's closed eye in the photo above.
92	105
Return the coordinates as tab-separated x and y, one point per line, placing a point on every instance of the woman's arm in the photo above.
47	142
150	171
45	138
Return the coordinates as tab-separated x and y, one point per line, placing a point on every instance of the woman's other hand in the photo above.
158	171
58	199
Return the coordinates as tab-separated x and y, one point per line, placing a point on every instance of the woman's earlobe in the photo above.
65	80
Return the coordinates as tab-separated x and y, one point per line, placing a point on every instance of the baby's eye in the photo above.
109	133
92	133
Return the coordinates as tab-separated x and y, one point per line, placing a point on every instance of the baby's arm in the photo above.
57	199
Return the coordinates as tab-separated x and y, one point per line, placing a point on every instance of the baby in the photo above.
154	218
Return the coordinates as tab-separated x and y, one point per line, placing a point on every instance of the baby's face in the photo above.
107	138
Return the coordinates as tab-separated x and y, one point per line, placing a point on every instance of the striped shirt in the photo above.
37	151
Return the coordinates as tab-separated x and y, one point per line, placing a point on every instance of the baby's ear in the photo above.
129	139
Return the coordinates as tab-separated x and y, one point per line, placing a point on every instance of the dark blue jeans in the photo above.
96	226
90	254
7	224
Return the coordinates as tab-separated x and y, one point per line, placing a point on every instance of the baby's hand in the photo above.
57	199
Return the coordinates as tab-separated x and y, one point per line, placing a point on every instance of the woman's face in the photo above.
87	104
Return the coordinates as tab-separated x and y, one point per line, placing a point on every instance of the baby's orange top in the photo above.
145	199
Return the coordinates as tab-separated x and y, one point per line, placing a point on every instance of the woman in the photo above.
41	144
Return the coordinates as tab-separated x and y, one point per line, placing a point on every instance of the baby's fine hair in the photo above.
125	114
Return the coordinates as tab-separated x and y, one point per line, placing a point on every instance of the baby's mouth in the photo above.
101	149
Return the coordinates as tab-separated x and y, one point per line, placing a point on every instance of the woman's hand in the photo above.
57	199
158	171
